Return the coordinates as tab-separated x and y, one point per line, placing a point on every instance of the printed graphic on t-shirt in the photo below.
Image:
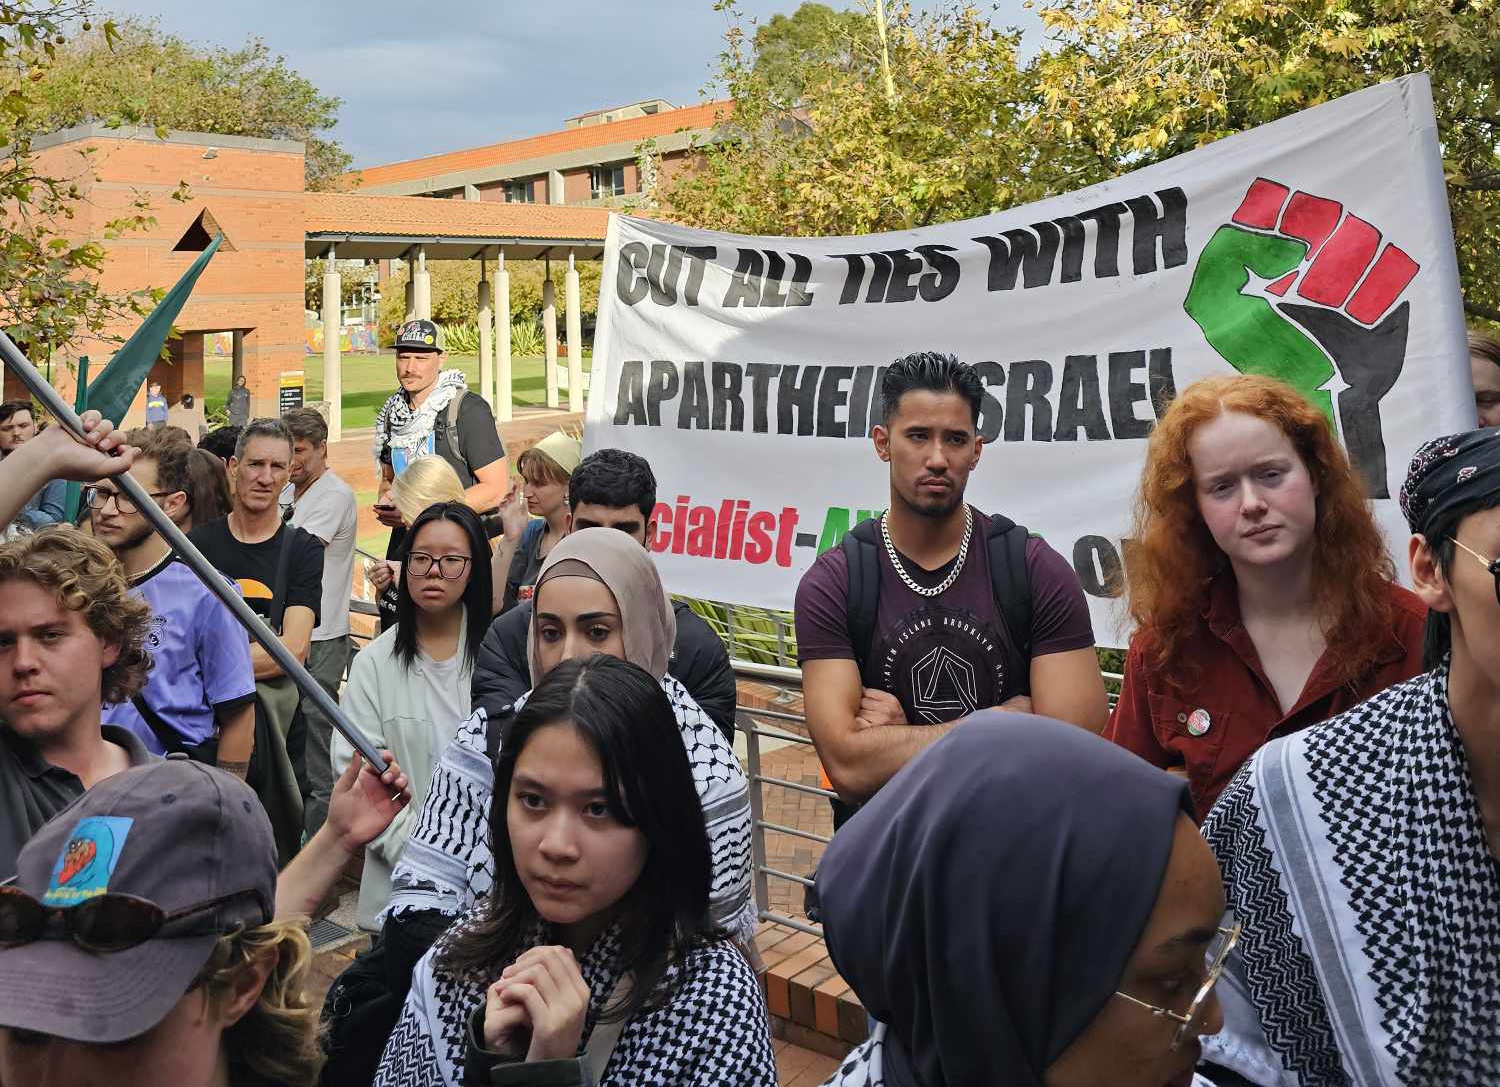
251	589
400	458
941	664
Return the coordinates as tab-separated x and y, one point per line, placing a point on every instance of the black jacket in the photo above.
699	661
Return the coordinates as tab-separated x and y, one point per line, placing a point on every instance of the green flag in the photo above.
114	390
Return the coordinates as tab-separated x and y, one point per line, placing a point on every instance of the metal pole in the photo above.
216	583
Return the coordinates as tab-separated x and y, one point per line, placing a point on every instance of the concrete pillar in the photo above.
422	298
411	295
556	188
486	321
237	357
575	336
549	333
503	409
333	362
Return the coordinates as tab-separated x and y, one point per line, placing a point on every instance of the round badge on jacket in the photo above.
1198	722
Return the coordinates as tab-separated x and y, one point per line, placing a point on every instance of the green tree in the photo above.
946	140
454	293
49	291
139	74
967	127
1146	79
793	50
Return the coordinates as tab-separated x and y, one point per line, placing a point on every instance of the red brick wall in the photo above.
256	198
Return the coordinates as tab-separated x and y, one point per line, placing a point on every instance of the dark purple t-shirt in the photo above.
947	656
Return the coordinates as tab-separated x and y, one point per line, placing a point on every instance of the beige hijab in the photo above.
619	562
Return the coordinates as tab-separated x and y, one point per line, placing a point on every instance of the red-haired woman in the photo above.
1263	596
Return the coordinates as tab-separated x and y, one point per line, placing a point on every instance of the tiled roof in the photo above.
425	216
632	130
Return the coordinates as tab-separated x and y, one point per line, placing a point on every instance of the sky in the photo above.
421	78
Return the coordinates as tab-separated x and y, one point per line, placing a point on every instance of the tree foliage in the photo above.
822	148
140	74
1146	79
49	293
849	159
454	294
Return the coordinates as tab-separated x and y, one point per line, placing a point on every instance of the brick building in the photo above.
544	197
594	159
250	189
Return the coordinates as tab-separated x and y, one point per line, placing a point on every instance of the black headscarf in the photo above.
984	904
1449	473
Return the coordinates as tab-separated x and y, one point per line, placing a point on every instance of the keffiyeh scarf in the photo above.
406	430
1355	857
711	1032
447	864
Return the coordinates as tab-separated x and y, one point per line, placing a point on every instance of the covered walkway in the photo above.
414	229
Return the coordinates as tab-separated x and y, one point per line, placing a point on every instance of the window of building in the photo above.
608	181
520	192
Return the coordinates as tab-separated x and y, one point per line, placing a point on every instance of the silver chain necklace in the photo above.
958	563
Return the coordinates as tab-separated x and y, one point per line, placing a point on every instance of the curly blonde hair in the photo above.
87	578
276	1041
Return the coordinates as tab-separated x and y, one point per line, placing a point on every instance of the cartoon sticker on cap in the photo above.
1198	722
87	860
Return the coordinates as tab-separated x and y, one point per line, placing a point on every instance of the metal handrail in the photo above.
748	724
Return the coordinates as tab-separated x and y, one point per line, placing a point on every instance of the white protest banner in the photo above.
1316	249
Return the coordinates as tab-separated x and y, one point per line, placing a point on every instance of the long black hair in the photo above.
476	599
622	714
1439	533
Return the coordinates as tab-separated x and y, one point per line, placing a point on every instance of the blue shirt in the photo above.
156	409
201	658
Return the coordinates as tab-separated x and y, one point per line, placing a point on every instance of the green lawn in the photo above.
369	379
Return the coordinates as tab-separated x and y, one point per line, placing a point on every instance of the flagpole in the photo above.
215	582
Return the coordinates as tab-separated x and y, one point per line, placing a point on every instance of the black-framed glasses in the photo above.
1224	943
450	567
1492	565
96	497
105	923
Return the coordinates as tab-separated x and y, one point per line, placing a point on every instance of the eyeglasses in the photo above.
1224	943
450	567
105	923
97	497
1492	565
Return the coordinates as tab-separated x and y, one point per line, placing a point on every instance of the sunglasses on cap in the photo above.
107	922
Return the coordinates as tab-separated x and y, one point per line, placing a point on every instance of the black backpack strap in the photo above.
1006	544
166	735
862	551
449	425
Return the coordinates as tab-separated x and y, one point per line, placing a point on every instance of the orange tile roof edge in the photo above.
358	213
637	129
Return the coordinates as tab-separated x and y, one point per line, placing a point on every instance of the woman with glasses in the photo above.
1026	904
409	688
1374	838
1263	597
595	959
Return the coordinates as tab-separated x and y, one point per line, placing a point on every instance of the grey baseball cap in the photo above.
176	833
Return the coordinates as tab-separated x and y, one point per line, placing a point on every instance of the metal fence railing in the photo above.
759	724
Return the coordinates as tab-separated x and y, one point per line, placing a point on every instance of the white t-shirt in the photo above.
445	687
327	510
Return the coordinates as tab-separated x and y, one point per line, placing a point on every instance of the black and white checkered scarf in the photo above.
1355	856
711	1031
400	427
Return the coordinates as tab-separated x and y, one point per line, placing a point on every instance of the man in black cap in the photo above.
434	413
